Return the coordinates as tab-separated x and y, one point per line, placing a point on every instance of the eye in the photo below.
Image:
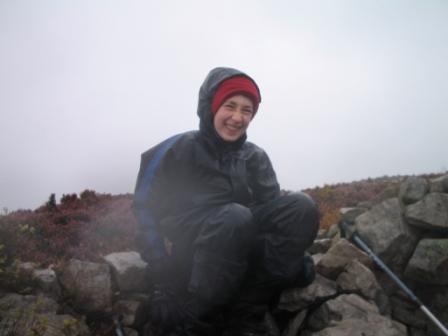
248	111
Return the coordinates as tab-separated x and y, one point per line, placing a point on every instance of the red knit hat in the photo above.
233	86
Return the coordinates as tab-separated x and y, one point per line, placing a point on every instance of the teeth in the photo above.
233	127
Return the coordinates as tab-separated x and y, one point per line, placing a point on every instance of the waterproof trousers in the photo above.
232	251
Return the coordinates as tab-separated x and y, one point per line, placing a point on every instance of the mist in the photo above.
350	89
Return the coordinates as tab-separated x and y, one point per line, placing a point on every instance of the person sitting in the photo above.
237	241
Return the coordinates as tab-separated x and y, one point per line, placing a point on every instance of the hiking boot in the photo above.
181	330
244	333
247	319
171	315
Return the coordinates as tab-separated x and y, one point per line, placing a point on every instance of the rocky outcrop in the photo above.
88	285
332	263
439	184
413	190
408	233
431	213
24	315
350	295
129	271
388	235
429	262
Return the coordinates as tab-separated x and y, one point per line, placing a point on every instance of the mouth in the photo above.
234	128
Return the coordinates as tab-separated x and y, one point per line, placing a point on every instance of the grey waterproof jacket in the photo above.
198	169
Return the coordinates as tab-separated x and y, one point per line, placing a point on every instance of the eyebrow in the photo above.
230	101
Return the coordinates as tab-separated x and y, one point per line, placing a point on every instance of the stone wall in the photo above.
350	295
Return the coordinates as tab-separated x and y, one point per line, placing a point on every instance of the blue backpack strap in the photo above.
153	241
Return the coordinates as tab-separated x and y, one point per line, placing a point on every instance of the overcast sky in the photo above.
351	89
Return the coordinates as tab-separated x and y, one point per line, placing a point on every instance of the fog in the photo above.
350	89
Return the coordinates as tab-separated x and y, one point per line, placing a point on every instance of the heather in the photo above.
90	225
86	227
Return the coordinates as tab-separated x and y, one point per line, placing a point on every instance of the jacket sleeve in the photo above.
147	202
262	177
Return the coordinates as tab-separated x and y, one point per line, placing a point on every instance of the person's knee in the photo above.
230	227
238	220
306	204
304	215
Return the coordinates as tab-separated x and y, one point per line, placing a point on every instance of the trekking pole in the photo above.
358	241
118	327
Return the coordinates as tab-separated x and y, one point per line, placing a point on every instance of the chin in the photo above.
232	139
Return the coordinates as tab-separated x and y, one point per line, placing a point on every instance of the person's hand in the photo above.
166	312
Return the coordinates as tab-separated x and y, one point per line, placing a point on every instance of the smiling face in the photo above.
233	117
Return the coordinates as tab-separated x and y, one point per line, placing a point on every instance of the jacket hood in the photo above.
206	93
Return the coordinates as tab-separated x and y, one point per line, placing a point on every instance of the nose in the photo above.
238	116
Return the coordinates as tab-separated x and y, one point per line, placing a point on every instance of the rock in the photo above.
294	325
440	184
336	238
435	297
130	332
429	263
438	297
388	192
365	204
27	278
317	257
24	315
413	189
43	324
434	330
133	312
47	282
129	270
333	230
431	213
18	277
359	279
320	246
364	318
319	319
88	284
347	230
349	215
338	257
26	267
363	328
21	303
322	234
296	299
407	313
348	306
416	332
382	228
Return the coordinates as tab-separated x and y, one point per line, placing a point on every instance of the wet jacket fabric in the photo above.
196	170
219	203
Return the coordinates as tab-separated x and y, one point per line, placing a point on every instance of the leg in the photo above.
287	226
210	247
221	250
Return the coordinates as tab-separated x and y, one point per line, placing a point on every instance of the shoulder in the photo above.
174	143
253	151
